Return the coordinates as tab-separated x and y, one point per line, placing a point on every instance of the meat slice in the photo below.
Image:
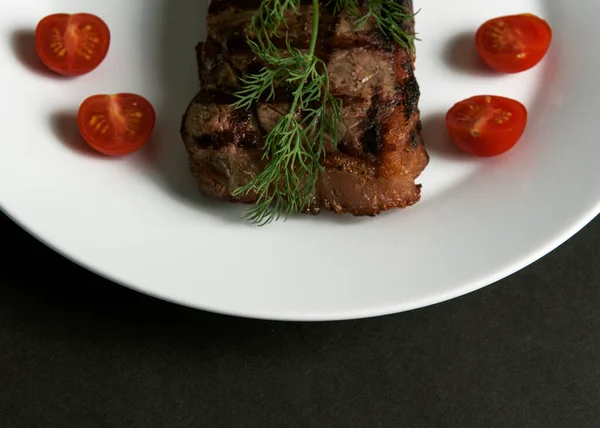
380	154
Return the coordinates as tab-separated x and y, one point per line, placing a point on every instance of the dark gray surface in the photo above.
79	351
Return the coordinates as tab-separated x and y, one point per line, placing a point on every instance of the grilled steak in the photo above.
380	154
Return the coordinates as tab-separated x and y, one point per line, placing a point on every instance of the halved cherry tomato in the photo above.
117	124
514	43
72	45
486	125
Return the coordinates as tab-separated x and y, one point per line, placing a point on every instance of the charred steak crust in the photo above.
381	153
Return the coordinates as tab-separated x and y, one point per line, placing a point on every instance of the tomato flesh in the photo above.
72	45
116	125
486	125
514	43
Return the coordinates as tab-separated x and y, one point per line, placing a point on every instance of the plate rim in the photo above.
337	315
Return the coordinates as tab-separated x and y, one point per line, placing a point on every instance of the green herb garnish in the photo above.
295	147
388	16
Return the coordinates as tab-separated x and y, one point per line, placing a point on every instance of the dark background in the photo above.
79	351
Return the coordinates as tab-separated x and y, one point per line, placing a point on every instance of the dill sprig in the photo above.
267	21
295	147
388	16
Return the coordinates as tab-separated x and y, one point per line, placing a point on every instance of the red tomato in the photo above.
515	43
486	125
117	124
72	45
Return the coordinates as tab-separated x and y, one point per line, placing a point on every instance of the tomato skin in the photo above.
116	125
513	43
486	125
72	45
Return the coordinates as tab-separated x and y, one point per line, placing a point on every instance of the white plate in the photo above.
140	222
